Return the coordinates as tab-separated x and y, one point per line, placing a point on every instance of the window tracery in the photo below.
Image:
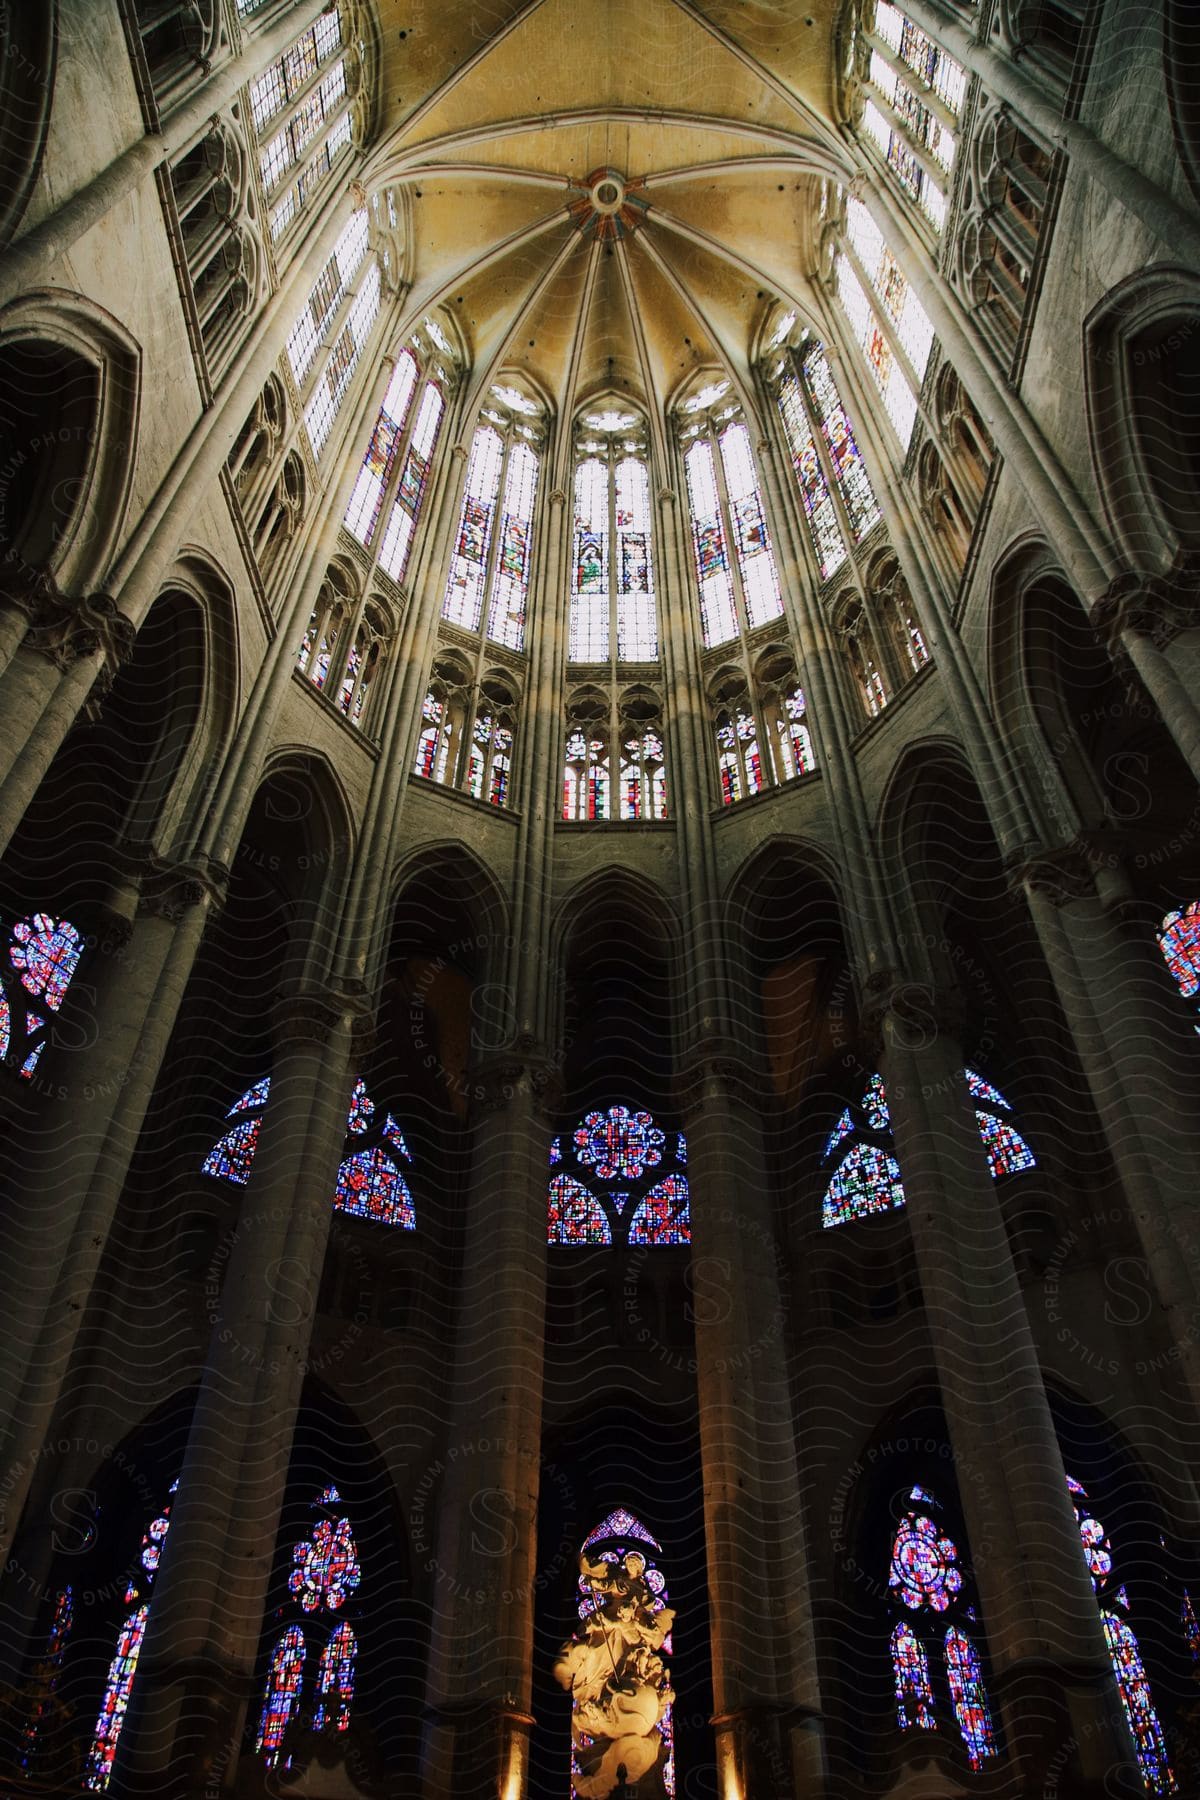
98	1766
1178	937
733	557
342	310
1124	1651
324	1579
614	764
467	734
927	1587
346	643
914	98
886	319
490	563
999	235
394	475
866	1176
760	724
619	1145
211	197
43	956
612	570
370	1182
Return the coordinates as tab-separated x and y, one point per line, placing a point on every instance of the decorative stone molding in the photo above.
170	889
312	1015
66	631
896	1010
523	1066
718	1065
1158	607
1060	873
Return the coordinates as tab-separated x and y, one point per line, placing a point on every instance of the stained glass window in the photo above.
435	740
1008	1153
965	1679
43	953
304	339
98	1766
396	545
867	1180
620	1180
44	1681
739	761
586	783
510	581
796	755
752	540
331	389
282	1697
914	1695
362	514
319	109
643	778
1178	938
923	1571
849	469
325	1576
335	1681
370	1184
624	1574
1124	1651
828	542
898	302
463	604
718	617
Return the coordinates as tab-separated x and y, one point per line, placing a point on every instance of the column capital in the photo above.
310	1014
524	1065
896	1010
66	630
1158	607
169	889
715	1065
557	496
1059	873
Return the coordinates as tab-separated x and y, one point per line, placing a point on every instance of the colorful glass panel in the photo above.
335	1681
327	1568
574	1216
843	1129
619	1143
867	1180
510	580
620	1524
1179	940
397	540
45	1677
117	1689
45	953
923	1571
875	1105
1149	1740
819	510
850	472
965	1678
463	604
283	1692
370	1186
910	1670
232	1157
718	618
663	1216
631	1576
752	540
1007	1151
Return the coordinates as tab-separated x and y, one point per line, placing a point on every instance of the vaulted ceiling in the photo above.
607	194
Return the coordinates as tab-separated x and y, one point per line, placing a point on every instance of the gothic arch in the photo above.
463	875
1142	384
208	590
61	350
302	794
28	58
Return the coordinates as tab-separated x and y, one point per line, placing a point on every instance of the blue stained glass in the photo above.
1140	1710
232	1157
843	1129
983	1090
620	1524
575	1216
1179	941
923	1571
370	1186
910	1669
335	1681
253	1098
875	1105
663	1216
362	1108
619	1142
283	1692
1008	1153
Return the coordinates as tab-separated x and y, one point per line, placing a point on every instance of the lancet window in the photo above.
952	469
839	502
488	584
914	96
468	730
760	725
1124	1650
42	1690
342	310
43	954
614	761
937	1670
613	615
324	1580
886	319
998	238
98	1765
346	643
625	1616
301	113
860	1150
732	553
394	475
618	1178
1178	938
370	1181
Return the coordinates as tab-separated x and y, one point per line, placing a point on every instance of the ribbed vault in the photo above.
579	178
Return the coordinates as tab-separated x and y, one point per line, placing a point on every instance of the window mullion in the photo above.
392	484
613	601
493	549
928	96
826	461
882	317
933	170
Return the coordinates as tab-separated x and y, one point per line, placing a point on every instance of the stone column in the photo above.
1138	1059
69	1181
768	1722
194	1678
482	1556
1142	619
68	647
1053	1680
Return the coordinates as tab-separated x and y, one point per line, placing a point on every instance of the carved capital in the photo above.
558	496
667	496
311	1015
1157	607
897	1010
1059	873
168	890
522	1068
715	1069
66	631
